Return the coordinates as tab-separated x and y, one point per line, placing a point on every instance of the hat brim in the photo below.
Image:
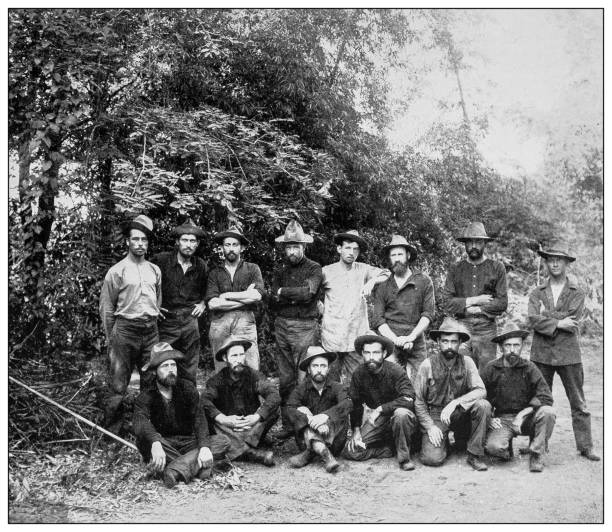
562	255
219	237
466	238
411	249
139	226
387	344
196	231
171	354
244	343
520	333
307	240
329	355
435	334
341	237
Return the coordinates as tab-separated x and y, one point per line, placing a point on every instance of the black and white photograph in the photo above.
304	265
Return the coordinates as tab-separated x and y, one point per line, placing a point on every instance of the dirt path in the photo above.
570	490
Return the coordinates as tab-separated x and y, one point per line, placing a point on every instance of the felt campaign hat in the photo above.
315	351
511	330
294	233
558	249
188	228
232	232
449	326
351	236
161	352
230	342
474	231
387	344
142	223
400	241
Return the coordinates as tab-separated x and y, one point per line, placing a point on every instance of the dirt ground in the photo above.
570	490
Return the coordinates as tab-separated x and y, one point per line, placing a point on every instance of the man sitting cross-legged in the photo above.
231	401
169	423
521	398
450	395
318	408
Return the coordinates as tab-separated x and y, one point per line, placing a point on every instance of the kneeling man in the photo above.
170	425
318	408
450	395
521	399
387	391
231	401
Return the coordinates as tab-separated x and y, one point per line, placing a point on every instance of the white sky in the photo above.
536	74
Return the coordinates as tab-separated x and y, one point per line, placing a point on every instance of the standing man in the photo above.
404	306
169	423
318	408
231	401
129	306
387	391
293	297
521	399
346	284
554	310
475	293
233	292
450	395
183	288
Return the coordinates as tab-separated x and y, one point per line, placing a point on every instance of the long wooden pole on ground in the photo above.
74	414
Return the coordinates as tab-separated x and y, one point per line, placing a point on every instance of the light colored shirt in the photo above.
345	316
424	379
131	290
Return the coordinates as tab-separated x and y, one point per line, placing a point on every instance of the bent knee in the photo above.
498	449
547	412
482	406
403	413
433	460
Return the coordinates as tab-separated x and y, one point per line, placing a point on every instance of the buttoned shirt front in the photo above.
220	281
556	347
345	316
181	289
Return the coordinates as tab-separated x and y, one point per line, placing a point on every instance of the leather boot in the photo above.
261	457
329	462
476	463
171	478
535	463
301	459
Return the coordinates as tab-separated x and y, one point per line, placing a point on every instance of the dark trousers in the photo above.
182	453
293	337
183	334
572	378
335	439
241	441
479	347
394	431
130	346
538	426
468	425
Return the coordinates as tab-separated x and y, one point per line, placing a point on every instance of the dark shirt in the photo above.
556	347
224	395
401	309
155	417
220	281
390	388
299	285
181	291
468	280
333	401
510	389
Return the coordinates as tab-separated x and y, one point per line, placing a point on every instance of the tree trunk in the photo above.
25	200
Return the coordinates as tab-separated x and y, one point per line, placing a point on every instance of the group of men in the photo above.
353	380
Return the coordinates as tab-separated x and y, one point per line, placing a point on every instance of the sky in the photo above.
536	74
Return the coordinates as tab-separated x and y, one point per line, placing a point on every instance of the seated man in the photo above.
318	408
386	389
450	395
231	400
170	426
521	399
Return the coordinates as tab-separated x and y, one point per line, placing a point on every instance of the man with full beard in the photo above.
169	423
318	408
233	292
475	293
404	306
293	299
387	391
231	401
183	287
450	395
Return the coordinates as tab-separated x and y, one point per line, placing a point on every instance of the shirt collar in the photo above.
499	363
569	282
310	384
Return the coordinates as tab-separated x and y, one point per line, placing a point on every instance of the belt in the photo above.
142	320
173	314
